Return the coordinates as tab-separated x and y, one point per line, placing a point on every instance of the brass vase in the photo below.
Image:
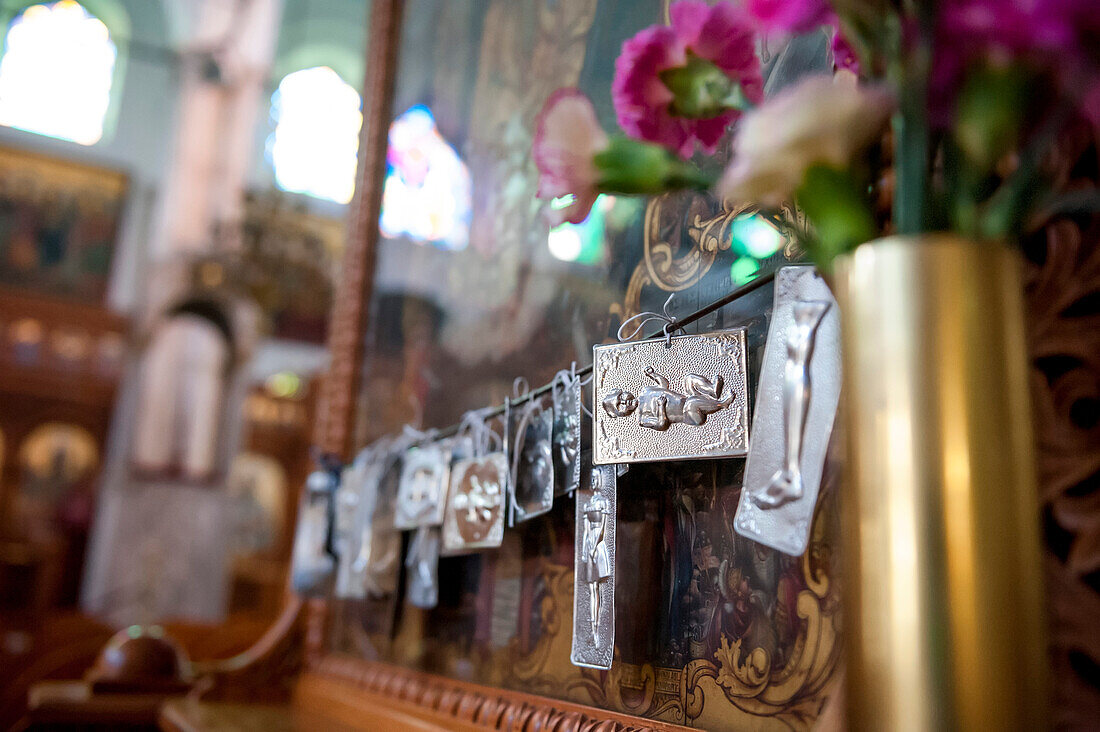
944	613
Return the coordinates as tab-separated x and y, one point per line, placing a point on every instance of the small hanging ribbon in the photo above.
483	438
648	317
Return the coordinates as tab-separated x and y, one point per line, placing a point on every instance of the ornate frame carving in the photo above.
454	704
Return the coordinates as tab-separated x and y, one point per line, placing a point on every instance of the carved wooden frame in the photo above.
402	696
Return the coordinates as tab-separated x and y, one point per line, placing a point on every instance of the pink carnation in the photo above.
789	16
976	31
844	56
721	35
567	137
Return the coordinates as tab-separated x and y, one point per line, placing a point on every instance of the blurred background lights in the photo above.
565	243
585	242
284	384
743	270
56	72
751	234
426	195
754	239
317	119
561	202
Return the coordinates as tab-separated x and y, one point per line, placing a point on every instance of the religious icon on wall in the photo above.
58	224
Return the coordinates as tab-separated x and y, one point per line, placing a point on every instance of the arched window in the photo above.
317	119
56	71
427	190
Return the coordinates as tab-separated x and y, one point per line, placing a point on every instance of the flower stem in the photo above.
912	153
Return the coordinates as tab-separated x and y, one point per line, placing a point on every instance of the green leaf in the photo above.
1002	214
990	114
836	205
634	167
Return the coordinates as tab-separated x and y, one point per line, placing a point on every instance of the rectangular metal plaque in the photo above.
354	504
422	493
474	518
380	552
422	565
311	566
533	458
568	427
684	400
594	571
795	406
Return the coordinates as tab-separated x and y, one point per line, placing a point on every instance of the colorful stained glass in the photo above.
427	189
56	72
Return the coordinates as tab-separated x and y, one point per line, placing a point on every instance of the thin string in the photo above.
564	379
474	424
648	317
418	435
561	381
666	331
529	411
583	383
520	388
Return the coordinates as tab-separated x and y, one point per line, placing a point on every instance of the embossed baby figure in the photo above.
596	559
659	407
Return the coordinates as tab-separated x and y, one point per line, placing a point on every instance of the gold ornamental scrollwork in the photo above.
701	692
683	235
703	230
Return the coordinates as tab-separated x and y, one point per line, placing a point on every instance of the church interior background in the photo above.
179	194
173	199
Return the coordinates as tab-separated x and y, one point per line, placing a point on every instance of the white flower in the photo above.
817	121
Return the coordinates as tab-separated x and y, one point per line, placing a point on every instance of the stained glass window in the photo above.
317	119
56	71
427	190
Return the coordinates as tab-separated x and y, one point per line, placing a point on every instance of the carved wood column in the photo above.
335	426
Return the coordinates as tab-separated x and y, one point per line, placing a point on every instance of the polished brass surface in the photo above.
943	599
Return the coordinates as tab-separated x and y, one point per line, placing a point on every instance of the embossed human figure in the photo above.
596	561
659	407
481	499
422	561
786	485
565	436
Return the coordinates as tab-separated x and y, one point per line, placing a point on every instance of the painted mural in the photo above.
58	224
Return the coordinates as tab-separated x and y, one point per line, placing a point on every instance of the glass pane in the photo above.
455	320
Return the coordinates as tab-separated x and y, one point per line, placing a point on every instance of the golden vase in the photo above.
944	613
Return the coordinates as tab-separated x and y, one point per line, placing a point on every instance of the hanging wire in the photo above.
671	325
664	317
